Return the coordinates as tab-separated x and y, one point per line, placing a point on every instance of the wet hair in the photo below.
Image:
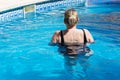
71	17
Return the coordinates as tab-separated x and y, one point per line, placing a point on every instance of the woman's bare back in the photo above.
75	36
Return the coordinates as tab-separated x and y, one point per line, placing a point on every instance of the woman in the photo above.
72	41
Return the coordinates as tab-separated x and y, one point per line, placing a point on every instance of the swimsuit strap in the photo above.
62	38
85	39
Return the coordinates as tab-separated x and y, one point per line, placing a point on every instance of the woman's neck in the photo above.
71	28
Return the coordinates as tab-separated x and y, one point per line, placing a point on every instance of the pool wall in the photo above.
100	2
42	5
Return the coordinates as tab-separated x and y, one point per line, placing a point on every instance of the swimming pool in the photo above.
26	55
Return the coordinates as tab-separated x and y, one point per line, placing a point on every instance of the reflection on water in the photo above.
104	24
25	54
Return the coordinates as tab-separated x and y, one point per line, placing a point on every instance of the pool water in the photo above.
26	55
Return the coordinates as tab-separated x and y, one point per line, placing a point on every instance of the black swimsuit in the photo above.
74	48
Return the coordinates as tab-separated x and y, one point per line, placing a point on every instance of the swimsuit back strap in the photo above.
85	39
62	38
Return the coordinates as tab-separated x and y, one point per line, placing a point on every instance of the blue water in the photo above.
26	55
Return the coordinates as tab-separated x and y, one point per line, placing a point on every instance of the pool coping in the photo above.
11	4
38	7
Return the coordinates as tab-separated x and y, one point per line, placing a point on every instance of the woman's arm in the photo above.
89	36
55	38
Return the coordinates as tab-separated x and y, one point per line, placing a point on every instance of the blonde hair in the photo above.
71	17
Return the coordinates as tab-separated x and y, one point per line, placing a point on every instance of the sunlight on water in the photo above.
26	55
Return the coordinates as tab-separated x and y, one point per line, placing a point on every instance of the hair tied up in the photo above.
71	19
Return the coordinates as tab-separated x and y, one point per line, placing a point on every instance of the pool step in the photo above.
30	8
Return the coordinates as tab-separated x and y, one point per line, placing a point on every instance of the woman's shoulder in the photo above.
86	30
57	32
